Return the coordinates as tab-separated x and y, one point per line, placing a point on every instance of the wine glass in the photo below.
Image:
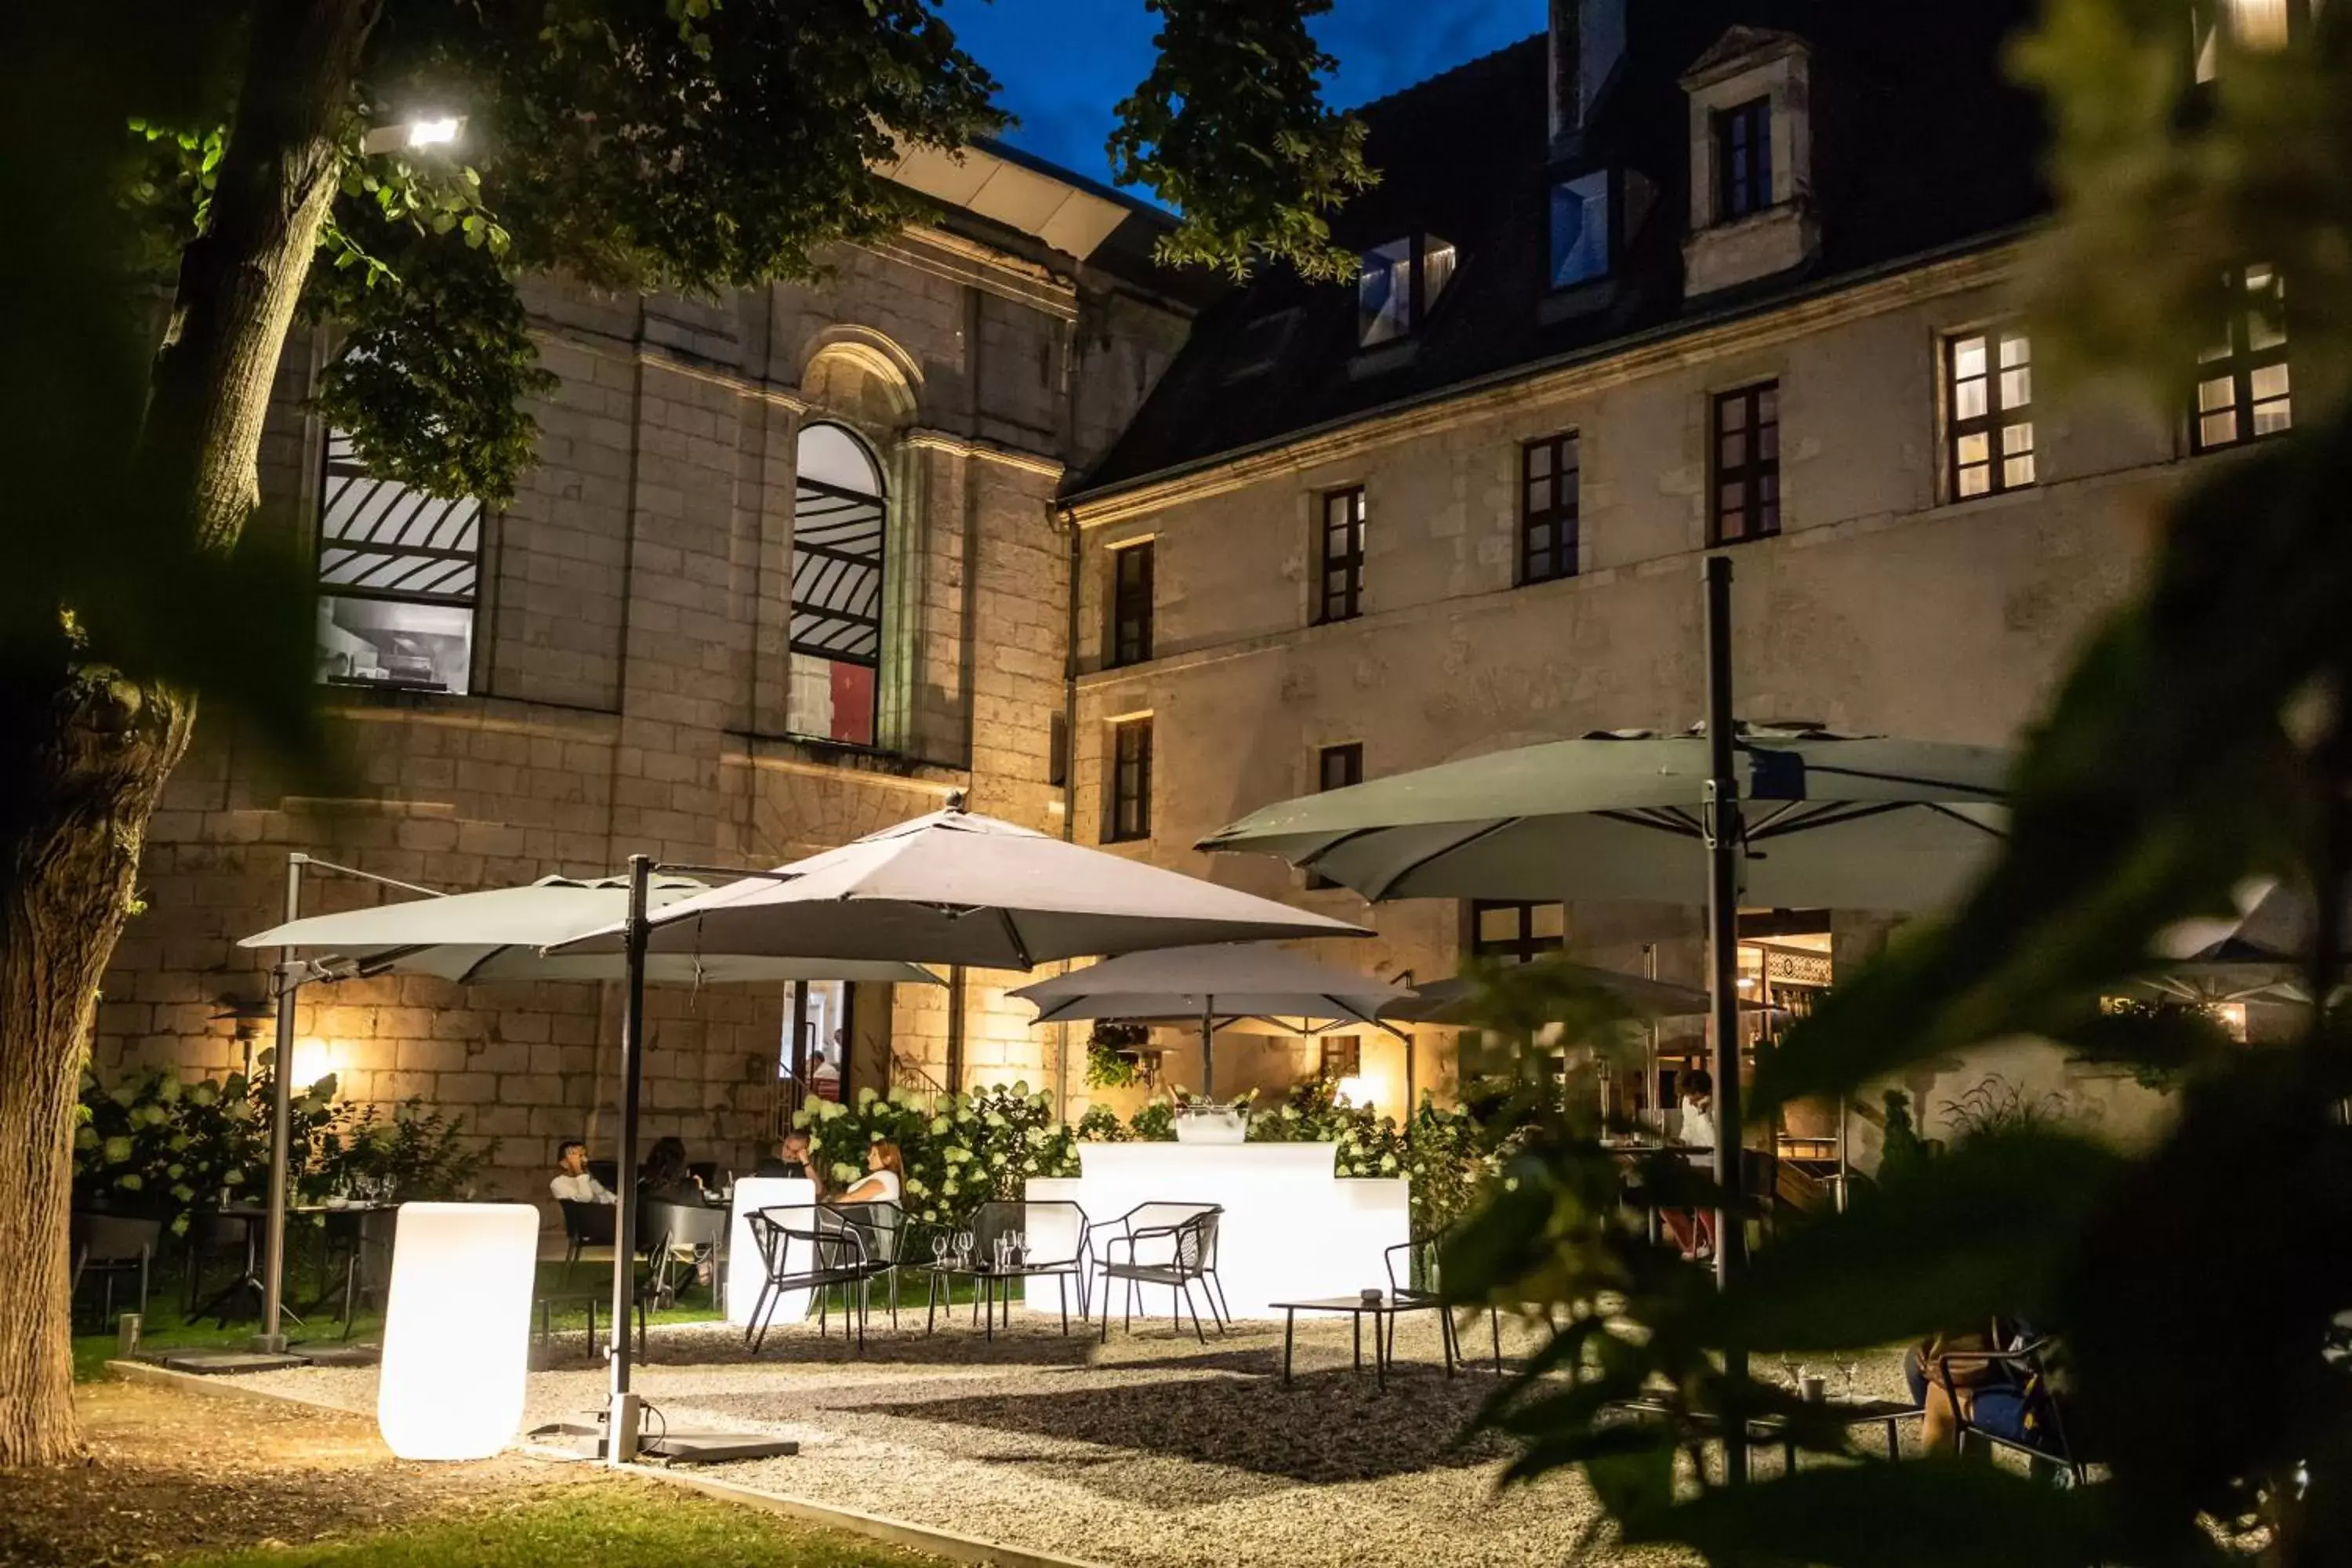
1793	1370
1850	1366
939	1248
963	1247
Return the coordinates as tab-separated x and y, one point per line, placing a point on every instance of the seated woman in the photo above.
666	1179
885	1179
1993	1396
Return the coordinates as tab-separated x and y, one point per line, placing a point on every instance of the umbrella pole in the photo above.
1723	843
1209	1049
621	1414
1841	1154
271	1339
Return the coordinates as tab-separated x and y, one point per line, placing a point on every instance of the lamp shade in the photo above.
457	1329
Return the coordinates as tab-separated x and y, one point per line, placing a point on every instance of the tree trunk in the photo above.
84	754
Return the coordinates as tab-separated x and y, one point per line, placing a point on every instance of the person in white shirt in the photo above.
1694	1232
571	1180
885	1177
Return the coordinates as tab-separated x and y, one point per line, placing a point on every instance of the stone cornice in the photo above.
964	261
1609	366
928	440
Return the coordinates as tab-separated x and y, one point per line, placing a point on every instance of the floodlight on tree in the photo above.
413	135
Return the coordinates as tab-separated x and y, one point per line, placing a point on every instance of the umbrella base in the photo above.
573	1440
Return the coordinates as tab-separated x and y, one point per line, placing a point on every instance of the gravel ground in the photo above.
1151	1450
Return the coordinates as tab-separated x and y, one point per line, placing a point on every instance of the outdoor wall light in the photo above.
457	1329
313	1060
409	135
1349	1090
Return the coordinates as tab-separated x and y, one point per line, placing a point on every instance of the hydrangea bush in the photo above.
959	1149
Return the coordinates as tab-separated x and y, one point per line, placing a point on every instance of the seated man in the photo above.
571	1180
790	1158
1996	1397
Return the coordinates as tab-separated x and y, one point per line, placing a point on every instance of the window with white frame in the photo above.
399	573
1989	387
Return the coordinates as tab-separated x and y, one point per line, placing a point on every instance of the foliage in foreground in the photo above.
2202	1285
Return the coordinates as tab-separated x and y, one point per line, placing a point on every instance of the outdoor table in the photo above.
1887	1413
985	1275
1382	1310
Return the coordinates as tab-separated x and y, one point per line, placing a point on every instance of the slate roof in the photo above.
1921	146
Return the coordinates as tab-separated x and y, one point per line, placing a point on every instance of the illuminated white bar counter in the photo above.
1292	1228
745	1272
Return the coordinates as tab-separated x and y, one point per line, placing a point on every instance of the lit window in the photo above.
1343	1056
2251	24
1398	285
1745	502
1128	816
1743	160
1131	604
1550	478
1990	437
2243	391
398	575
1579	230
837	549
1516	932
1340	550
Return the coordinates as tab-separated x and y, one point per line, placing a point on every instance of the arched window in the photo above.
836	635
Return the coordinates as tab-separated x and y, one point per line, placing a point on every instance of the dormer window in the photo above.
1579	230
1743	159
1399	286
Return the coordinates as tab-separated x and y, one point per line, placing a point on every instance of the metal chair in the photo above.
809	1246
1056	1245
585	1224
2028	1366
107	1245
212	1236
1420	1254
1187	1236
883	1226
680	1240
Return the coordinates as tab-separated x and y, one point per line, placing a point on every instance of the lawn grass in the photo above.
166	1330
637	1523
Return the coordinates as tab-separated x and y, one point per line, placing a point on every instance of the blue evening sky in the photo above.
1065	64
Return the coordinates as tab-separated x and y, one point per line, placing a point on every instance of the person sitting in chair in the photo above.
885	1175
1951	1378
667	1178
1694	1232
790	1158
572	1181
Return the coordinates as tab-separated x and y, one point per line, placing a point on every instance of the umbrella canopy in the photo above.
1448	1001
1242	980
1855	822
498	934
952	888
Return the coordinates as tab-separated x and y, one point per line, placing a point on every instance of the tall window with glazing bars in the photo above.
1989	442
399	573
1130	603
2243	392
1126	816
1746	501
1550	473
1339	553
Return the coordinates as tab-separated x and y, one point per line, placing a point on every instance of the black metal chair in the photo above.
1057	1240
1170	1244
680	1240
105	1245
883	1226
813	1248
364	1239
1420	1258
212	1236
2026	1369
585	1224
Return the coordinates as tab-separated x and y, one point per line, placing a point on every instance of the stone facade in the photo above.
1882	607
630	688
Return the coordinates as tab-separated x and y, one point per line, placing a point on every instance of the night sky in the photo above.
1064	63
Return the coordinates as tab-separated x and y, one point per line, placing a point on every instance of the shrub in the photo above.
1111	1055
1101	1124
959	1149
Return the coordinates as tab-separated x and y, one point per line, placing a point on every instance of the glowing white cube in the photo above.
457	1329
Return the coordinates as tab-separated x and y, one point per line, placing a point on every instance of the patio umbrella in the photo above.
498	934
1855	821
1235	980
1447	1002
949	888
475	938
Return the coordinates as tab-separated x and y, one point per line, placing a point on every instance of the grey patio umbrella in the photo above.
949	888
1447	1001
1854	822
499	933
473	937
1214	983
